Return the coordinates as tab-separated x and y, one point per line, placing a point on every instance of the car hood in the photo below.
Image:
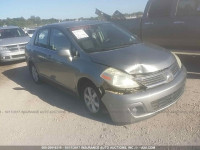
135	59
13	41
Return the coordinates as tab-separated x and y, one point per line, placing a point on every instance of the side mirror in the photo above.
65	52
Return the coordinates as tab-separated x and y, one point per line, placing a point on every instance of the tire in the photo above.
92	99
34	74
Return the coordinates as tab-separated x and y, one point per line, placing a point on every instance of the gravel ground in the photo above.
43	114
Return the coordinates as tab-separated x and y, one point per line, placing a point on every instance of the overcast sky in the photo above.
63	9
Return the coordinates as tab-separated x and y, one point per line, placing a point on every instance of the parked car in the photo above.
12	43
172	24
30	32
107	67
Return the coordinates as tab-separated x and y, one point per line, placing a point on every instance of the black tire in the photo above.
34	74
92	101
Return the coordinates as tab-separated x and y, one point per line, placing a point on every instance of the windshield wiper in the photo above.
123	45
112	48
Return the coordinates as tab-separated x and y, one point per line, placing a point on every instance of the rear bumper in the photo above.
12	56
152	100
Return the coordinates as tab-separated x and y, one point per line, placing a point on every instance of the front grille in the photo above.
16	47
22	46
158	78
18	56
174	69
13	48
159	104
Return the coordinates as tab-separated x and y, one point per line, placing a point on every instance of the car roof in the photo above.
8	27
69	24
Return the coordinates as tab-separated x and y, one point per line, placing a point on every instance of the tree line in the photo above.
30	22
35	21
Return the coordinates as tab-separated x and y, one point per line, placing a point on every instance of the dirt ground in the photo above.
43	114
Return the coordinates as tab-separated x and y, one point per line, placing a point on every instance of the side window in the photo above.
160	8
188	8
58	40
42	38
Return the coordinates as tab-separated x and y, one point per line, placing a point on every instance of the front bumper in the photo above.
153	100
12	56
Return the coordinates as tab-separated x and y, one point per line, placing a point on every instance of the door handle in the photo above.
179	22
41	57
148	23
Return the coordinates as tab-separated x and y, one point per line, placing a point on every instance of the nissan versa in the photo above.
108	68
12	43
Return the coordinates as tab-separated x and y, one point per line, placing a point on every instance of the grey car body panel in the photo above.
118	105
136	59
74	69
66	72
14	41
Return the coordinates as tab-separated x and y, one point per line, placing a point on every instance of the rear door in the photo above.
41	51
186	24
157	22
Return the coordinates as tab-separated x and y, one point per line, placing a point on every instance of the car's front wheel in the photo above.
34	74
91	97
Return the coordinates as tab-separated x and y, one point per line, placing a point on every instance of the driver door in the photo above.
62	68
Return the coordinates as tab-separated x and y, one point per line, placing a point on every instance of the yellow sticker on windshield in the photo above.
80	34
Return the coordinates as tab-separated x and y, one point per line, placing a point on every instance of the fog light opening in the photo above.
137	109
7	57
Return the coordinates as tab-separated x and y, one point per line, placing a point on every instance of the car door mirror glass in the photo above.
66	53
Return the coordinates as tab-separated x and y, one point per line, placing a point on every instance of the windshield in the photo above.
102	37
10	33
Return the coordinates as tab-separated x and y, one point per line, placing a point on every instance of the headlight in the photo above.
119	79
178	60
2	48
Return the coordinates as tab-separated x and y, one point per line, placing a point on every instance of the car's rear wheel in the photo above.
91	97
34	74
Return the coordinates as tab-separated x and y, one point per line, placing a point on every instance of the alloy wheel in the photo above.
91	100
34	74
